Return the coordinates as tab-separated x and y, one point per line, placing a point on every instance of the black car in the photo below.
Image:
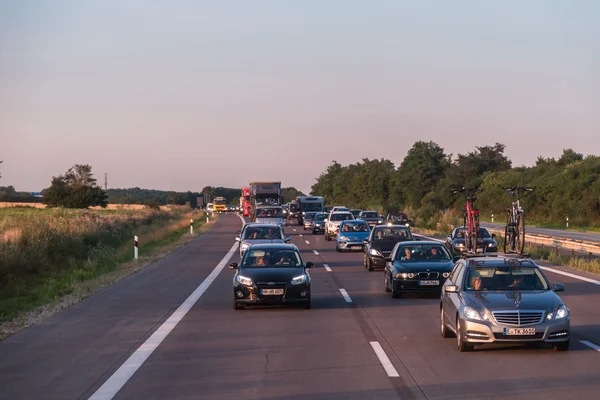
356	212
372	217
381	242
418	266
271	274
319	223
292	210
397	219
455	242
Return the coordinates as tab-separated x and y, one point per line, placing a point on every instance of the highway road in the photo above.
561	233
145	338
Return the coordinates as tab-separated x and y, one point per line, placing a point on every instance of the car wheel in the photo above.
446	333
370	265
386	284
563	346
313	232
236	305
461	344
307	305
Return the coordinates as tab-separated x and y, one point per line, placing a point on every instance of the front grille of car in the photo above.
428	275
518	317
537	336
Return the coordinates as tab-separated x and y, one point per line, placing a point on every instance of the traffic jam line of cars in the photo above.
484	298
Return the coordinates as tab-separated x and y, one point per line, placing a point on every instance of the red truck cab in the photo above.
245	202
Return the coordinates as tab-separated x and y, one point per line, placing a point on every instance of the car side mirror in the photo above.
493	235
559	287
450	288
366	241
233	265
238	239
287	239
310	264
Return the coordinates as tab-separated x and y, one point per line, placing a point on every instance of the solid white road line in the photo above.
307	242
556	271
119	378
327	267
316	252
384	360
581	278
346	295
590	344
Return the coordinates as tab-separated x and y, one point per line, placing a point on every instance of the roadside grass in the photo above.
535	224
536	252
41	265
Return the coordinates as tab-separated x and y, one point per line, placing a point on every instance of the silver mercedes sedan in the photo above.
502	299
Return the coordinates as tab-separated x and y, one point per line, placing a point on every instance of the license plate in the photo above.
429	283
519	331
356	247
271	291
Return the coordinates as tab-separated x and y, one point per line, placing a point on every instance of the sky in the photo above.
181	94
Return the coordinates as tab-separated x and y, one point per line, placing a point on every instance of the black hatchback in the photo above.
271	274
381	242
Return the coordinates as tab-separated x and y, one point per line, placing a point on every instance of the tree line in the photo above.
423	184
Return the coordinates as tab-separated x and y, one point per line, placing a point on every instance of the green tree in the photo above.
77	188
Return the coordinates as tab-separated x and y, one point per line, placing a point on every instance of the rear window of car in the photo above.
370	214
341	216
262	232
395	233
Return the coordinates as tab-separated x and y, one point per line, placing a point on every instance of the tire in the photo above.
307	306
396	295
370	265
386	284
506	238
446	333
313	232
461	344
236	305
521	232
563	346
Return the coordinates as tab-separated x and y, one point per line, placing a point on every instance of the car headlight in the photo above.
319	225
490	244
389	224
562	313
303	213
446	274
380	221
299	279
472	313
407	224
405	275
374	252
245	246
344	239
460	245
244	280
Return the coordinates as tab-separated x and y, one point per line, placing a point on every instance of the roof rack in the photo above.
468	254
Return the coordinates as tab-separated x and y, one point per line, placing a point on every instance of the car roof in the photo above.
500	261
391	226
419	242
262	225
340	212
274	246
360	221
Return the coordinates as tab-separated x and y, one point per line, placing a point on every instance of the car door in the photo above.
368	245
389	264
451	301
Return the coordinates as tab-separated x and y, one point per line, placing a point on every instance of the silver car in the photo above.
255	233
501	299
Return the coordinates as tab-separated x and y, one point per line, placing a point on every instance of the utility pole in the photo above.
105	181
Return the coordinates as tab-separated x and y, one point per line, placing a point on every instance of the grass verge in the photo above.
43	296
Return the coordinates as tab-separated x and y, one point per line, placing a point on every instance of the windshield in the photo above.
217	201
398	218
370	215
391	234
354	226
505	278
268	213
310	215
320	217
341	216
265	258
483	233
263	232
312	207
429	252
293	207
356	213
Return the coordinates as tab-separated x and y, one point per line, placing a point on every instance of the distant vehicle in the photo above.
356	212
270	215
293	209
381	242
256	233
455	242
372	217
397	219
264	194
308	220
327	210
339	208
245	204
334	220
319	223
420	266
286	210
352	235
220	204
210	207
308	204
501	299
271	274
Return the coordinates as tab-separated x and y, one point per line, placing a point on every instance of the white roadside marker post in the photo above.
191	226
567	222
492	218
135	247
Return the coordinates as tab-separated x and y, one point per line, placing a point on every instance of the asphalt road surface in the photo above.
561	233
143	338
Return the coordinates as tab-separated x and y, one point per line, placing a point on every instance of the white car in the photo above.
334	220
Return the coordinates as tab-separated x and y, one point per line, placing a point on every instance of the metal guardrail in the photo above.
558	242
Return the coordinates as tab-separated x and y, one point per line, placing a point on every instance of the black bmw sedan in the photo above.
381	242
271	274
420	266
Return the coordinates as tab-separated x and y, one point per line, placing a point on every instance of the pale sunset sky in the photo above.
177	95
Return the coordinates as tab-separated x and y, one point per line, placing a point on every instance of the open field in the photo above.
45	252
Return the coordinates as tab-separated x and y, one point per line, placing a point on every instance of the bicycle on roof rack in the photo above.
514	231
471	219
